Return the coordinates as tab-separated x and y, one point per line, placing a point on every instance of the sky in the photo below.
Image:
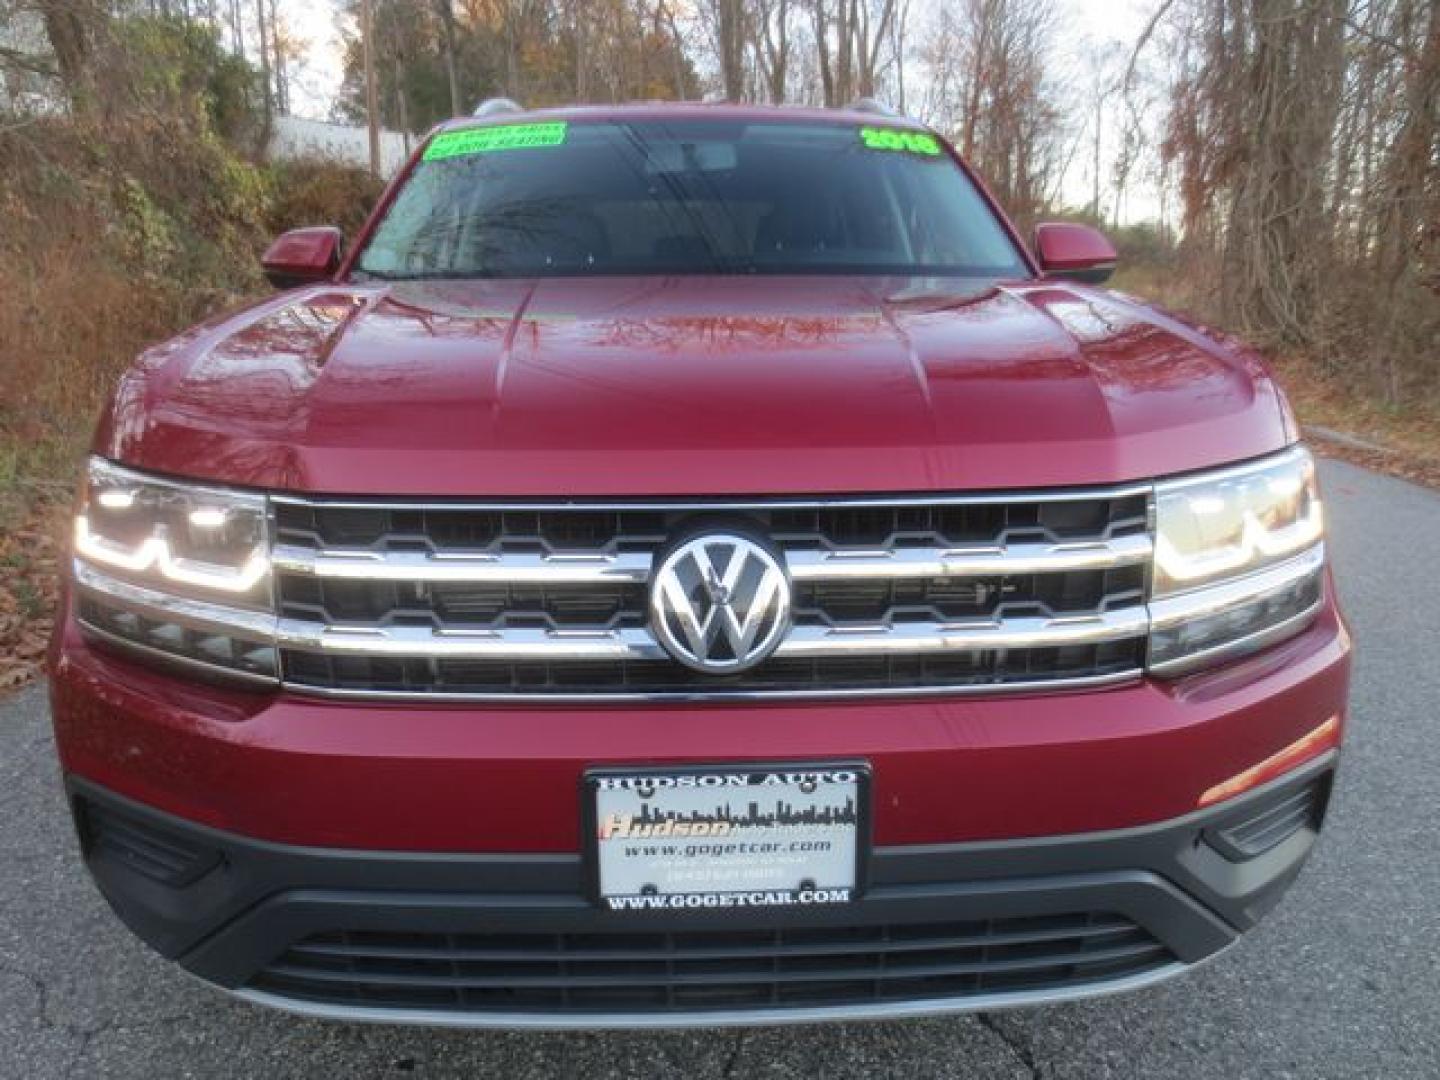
1088	24
315	86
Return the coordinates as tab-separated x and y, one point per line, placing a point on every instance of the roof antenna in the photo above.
495	106
870	105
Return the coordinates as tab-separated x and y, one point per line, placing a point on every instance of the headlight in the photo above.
1239	561
1223	525
198	541
176	568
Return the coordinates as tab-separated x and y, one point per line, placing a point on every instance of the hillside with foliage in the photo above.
137	210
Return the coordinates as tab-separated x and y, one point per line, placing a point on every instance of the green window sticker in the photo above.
483	140
909	142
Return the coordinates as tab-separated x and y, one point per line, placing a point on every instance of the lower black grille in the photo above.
712	970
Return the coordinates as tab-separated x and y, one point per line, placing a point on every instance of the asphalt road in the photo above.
1342	981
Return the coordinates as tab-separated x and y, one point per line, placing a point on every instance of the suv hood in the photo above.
691	386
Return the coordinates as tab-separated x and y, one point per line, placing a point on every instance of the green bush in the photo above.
320	193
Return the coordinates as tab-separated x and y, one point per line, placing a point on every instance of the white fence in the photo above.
21	91
295	138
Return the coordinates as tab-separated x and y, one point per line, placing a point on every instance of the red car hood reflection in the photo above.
690	386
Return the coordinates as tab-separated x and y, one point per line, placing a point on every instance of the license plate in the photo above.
699	838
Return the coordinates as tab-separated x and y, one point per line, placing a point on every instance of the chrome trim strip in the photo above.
1030	632
511	643
701	695
516	568
759	503
637	643
978	561
1209	600
247	625
188	487
539	1021
219	671
1293	452
634	568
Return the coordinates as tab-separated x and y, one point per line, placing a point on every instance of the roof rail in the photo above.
496	105
870	105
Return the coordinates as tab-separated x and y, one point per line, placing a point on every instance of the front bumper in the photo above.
359	860
445	777
475	940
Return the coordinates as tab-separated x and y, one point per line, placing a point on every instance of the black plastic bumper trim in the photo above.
259	898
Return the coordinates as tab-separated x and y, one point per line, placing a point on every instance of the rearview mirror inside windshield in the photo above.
679	157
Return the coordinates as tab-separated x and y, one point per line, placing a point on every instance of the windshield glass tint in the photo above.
698	197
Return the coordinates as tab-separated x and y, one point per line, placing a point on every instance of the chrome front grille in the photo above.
823	596
889	596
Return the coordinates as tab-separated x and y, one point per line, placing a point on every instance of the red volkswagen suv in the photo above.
695	565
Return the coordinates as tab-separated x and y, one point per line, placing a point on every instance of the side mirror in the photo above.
1077	252
301	256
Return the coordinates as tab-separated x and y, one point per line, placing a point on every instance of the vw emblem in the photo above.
720	603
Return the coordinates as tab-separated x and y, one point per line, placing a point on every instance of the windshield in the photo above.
687	197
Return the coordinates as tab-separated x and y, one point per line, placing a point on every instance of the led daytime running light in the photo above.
1256	542
154	554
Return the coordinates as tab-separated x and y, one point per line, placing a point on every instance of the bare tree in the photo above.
993	90
728	28
773	45
446	11
870	24
71	26
1408	225
267	103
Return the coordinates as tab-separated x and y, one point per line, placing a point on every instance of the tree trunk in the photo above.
402	109
1274	246
68	25
677	49
730	29
983	14
899	31
277	46
237	29
1406	220
267	106
447	36
820	17
582	49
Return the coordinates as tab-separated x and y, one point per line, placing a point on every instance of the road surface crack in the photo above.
734	1055
1019	1046
42	992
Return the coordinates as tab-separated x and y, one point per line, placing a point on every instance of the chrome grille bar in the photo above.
477	567
505	644
1025	632
256	626
635	643
841	502
634	568
979	561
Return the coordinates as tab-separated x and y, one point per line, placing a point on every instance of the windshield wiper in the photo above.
428	275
